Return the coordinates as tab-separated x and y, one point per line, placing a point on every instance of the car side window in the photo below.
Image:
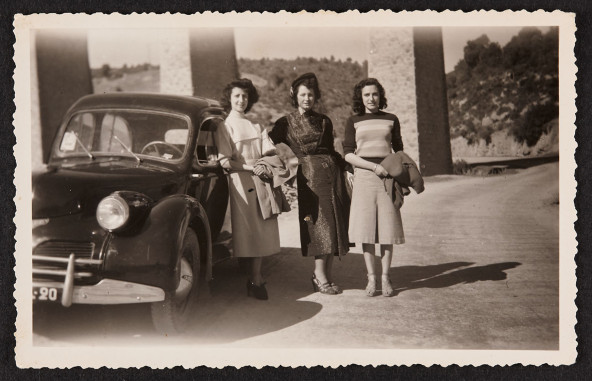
207	147
112	127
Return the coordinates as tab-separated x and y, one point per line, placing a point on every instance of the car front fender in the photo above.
151	255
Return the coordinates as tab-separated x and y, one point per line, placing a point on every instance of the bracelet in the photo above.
375	166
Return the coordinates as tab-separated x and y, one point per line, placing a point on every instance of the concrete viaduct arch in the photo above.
408	61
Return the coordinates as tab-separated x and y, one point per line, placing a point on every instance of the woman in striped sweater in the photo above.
370	136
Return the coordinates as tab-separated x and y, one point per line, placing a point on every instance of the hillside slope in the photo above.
502	100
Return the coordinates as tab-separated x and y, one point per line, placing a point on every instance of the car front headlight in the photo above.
112	212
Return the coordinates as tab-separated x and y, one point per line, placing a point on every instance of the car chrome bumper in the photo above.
106	291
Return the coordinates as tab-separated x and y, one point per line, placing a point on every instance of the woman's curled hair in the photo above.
309	80
244	84
358	104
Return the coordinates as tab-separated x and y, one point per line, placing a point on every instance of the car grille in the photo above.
50	261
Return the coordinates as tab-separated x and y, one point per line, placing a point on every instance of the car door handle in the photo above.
197	176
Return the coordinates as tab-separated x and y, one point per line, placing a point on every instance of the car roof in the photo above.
190	105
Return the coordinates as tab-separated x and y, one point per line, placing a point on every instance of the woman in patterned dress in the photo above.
322	211
241	144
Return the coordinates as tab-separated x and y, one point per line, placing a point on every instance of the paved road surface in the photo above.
479	271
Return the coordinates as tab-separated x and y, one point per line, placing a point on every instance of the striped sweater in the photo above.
372	136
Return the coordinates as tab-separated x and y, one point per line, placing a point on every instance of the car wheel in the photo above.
171	315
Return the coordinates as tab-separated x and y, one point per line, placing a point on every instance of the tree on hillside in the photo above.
336	78
473	50
514	87
106	70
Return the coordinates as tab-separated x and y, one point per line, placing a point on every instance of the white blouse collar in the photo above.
236	114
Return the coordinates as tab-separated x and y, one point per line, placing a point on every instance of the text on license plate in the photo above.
50	294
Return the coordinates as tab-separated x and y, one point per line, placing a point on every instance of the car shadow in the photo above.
223	313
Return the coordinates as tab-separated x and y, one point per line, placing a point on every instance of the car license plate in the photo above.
47	294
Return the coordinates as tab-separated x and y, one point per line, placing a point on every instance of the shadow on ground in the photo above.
442	275
224	313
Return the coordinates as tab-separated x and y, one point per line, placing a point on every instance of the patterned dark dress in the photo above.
323	205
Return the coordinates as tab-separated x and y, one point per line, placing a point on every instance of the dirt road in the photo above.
479	271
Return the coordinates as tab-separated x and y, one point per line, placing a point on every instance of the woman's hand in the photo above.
261	172
258	170
380	171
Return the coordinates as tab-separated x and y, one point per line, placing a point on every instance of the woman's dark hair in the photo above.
358	105
244	84
309	80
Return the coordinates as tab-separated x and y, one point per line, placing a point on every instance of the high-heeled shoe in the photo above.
337	288
323	288
387	287
258	292
371	286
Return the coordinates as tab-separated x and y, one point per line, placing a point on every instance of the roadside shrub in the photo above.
461	167
532	126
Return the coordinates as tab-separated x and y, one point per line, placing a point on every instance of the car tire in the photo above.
170	316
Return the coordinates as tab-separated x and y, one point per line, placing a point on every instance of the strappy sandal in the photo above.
323	288
337	288
387	287
371	287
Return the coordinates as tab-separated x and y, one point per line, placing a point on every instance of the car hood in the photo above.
79	189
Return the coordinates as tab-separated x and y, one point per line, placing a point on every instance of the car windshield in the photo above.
123	133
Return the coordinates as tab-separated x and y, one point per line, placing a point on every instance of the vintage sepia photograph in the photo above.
295	189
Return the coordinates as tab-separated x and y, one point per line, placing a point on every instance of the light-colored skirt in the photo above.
373	218
252	236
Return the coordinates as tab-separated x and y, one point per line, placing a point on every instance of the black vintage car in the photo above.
131	205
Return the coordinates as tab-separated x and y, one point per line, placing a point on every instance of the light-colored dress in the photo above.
245	142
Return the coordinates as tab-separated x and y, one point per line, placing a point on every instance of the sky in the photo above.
131	47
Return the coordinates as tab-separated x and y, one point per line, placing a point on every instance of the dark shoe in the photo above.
387	287
259	292
371	286
324	288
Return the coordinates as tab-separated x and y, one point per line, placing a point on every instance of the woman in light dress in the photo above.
241	145
370	136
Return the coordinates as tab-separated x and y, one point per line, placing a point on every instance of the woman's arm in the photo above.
278	133
396	139
357	161
349	147
234	165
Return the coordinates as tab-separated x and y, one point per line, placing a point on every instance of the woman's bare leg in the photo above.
386	252
369	251
320	266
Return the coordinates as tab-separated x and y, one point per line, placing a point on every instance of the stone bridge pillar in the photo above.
409	62
197	61
60	74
